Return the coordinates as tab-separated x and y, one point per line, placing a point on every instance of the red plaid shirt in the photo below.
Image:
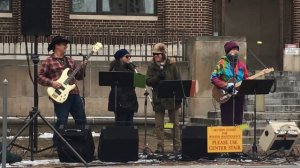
52	68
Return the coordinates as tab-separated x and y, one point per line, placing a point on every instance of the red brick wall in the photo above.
296	24
193	17
11	26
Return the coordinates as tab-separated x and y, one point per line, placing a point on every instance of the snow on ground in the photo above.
48	135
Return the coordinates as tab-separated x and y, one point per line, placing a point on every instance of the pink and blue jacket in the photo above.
223	72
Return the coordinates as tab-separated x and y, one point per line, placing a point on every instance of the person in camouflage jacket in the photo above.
160	69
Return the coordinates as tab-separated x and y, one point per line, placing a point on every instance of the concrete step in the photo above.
269	101
248	116
250	132
287	88
284	83
250	139
282	95
206	121
259	123
285	73
217	122
277	108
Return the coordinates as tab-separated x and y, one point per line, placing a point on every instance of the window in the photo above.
5	5
117	7
84	6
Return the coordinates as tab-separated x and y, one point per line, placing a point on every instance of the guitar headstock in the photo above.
265	71
268	70
97	47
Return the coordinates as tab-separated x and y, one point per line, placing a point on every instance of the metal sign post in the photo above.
4	123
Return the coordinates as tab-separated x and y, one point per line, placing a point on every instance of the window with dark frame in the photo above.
5	5
114	7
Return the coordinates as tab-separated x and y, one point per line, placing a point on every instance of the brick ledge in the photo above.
6	15
114	17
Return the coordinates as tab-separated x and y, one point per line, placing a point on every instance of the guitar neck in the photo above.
251	77
72	75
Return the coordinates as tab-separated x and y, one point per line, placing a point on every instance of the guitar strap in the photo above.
67	65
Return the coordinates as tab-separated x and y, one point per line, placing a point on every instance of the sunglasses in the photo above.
154	54
127	56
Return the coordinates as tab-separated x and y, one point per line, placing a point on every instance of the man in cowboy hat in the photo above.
50	71
163	69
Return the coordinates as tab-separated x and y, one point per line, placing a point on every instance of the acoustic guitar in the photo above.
221	96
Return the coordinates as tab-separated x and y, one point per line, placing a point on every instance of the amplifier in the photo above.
279	136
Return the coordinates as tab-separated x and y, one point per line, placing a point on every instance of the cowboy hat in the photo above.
57	40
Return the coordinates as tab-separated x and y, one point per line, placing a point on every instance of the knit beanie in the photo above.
120	53
230	45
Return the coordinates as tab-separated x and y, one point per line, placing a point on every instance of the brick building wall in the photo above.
193	17
296	24
12	26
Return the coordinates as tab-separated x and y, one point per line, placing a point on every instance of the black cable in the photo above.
261	63
27	58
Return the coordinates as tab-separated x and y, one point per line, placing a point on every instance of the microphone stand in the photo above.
146	149
83	85
233	64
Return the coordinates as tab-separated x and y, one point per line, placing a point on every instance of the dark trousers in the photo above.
227	111
124	118
72	105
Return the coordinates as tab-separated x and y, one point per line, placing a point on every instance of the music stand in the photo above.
179	89
255	87
176	89
115	79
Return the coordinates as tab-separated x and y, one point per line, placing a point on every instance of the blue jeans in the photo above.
72	105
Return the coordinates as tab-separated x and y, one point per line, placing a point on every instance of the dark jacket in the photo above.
154	75
126	96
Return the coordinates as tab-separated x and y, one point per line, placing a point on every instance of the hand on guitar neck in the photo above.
84	63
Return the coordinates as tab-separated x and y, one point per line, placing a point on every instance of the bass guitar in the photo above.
61	94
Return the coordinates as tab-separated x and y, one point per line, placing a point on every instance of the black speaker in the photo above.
36	17
118	144
80	138
194	143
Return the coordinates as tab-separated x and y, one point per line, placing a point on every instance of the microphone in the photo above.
162	66
132	66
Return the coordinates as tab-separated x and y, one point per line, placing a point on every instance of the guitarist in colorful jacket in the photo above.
222	78
50	71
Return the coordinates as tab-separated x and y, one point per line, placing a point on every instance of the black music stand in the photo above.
255	87
176	89
115	79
